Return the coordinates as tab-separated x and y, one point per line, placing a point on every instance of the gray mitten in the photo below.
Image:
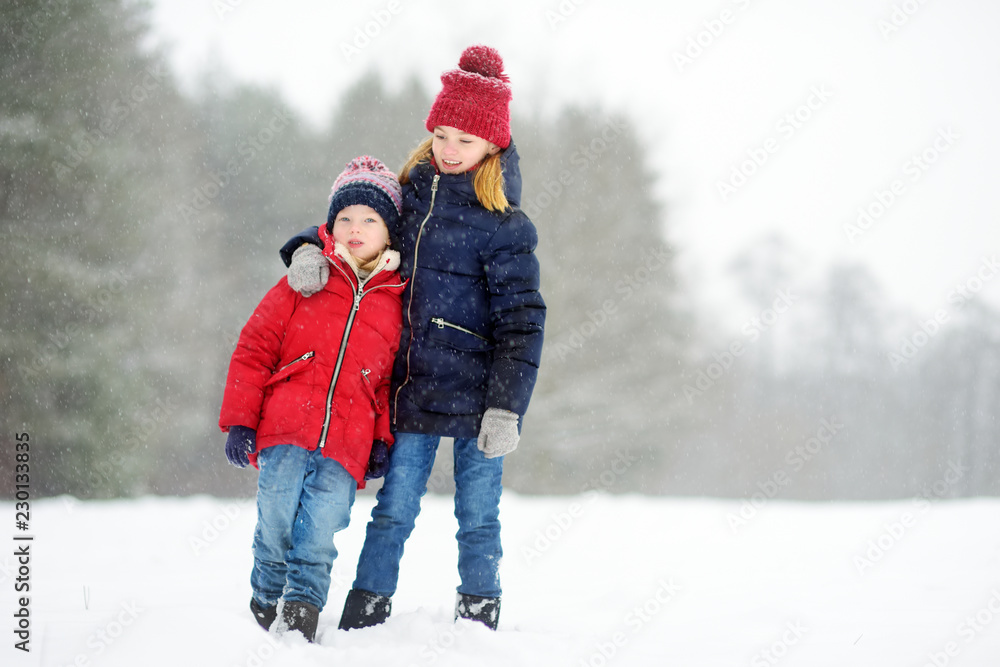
309	270
498	434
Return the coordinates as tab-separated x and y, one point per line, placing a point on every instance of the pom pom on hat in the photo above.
367	181
475	98
484	61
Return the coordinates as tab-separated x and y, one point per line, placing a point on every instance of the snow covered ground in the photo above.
590	580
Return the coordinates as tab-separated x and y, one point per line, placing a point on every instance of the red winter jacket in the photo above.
314	372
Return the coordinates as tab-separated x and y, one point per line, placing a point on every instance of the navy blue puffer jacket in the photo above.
473	317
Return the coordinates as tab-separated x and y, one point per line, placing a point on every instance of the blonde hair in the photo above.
370	265
488	181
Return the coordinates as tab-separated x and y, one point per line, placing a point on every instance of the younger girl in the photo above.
471	340
306	398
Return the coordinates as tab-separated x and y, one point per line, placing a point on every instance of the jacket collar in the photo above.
338	253
459	188
388	262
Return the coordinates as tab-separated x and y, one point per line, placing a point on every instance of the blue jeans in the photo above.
303	498
477	508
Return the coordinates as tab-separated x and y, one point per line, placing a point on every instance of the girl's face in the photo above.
362	230
457	152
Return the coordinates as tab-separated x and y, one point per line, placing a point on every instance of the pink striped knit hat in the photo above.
367	181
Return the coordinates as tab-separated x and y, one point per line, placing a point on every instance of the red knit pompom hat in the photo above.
475	98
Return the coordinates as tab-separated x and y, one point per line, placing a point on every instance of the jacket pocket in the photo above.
368	386
457	337
359	427
289	397
456	369
291	368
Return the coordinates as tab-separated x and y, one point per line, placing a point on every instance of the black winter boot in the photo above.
298	615
363	609
263	615
478	608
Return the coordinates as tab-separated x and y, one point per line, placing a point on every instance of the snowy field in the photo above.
591	580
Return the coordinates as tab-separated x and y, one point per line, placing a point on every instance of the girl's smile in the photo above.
456	152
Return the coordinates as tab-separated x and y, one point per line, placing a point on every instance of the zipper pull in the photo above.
365	372
357	300
438	321
434	183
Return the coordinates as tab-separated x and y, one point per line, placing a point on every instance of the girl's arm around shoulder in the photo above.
310	235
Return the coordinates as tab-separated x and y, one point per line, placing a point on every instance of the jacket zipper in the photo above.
358	294
365	372
442	323
305	356
409	305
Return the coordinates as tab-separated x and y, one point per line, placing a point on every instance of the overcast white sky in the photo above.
839	96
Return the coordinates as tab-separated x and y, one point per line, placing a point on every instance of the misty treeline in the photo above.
140	226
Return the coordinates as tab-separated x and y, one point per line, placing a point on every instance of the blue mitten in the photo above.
242	440
378	460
